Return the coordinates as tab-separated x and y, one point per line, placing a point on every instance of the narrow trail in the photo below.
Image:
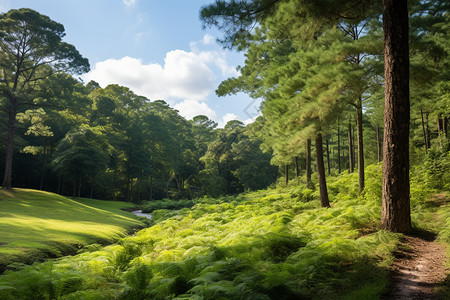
418	269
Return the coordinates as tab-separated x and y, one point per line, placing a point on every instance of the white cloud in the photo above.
184	75
208	39
129	3
192	108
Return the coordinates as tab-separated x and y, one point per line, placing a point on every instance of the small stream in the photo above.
139	213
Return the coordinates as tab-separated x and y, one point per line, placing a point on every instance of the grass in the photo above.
272	244
36	224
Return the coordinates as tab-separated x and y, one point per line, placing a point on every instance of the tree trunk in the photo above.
424	133
359	127
321	172
59	186
339	148
297	171
395	212
74	188
7	179
91	195
328	156
286	174
127	190
308	162
428	131
350	149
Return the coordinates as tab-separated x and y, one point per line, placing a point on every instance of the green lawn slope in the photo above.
36	224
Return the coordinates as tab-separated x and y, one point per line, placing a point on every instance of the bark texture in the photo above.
321	172
395	214
308	162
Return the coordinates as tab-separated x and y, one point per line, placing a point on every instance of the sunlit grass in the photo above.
35	224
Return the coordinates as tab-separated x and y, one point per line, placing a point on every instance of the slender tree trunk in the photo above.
359	127
308	162
297	171
44	167
445	126
379	148
425	142
350	149
339	147
395	211
286	174
328	155
91	195
321	172
7	179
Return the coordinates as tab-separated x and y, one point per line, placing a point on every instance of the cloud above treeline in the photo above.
185	80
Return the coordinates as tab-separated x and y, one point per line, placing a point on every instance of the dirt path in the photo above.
417	269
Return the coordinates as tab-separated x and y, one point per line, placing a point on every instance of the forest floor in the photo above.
419	269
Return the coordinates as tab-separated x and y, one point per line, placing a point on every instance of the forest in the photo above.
346	166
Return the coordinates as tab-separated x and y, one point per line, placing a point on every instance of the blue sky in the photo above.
157	48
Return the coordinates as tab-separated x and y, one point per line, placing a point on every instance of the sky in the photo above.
157	48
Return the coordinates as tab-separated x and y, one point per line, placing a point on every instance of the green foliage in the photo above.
273	244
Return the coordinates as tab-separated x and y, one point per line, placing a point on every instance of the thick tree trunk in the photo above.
350	149
379	148
7	179
308	162
425	142
321	172
395	213
359	127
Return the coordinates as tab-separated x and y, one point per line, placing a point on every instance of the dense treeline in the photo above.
110	143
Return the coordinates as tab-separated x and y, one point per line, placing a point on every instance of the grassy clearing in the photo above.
36	224
273	244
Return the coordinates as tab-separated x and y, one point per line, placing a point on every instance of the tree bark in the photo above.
359	128
308	162
395	213
350	149
7	179
424	132
297	171
321	172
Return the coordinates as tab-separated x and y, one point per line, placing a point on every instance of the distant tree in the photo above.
31	50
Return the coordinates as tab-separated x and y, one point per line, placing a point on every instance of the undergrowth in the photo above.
271	244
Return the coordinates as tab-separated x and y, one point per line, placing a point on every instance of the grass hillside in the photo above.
271	244
36	224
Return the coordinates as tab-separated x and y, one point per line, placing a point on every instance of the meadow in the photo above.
35	225
272	244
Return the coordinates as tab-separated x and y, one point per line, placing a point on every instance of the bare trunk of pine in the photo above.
7	179
308	162
297	171
350	149
321	172
395	213
359	128
425	142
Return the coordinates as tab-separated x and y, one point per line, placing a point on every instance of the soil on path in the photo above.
418	269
